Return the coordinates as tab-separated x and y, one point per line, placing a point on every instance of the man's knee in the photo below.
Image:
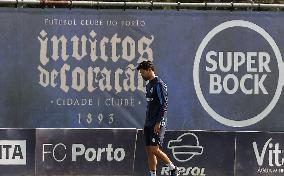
153	149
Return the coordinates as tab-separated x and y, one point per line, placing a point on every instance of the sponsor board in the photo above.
13	152
236	73
196	153
260	153
17	152
85	151
80	68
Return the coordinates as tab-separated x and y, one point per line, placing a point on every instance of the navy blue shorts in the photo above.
152	139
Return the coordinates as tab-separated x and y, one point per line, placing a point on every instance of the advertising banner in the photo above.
17	152
195	153
260	153
62	68
85	152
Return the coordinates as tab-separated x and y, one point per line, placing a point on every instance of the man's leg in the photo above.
152	159
153	142
155	150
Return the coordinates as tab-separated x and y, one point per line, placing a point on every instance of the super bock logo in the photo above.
241	69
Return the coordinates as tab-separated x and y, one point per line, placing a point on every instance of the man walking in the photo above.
155	122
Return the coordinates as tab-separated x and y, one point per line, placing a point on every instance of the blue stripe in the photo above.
159	94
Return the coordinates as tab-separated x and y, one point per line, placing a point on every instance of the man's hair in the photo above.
145	65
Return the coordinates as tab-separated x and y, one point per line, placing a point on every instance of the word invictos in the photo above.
89	50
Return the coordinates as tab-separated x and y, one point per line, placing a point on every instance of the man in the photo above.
155	122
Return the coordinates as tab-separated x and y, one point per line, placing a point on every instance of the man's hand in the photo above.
157	128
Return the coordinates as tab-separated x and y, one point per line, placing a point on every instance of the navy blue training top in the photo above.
157	102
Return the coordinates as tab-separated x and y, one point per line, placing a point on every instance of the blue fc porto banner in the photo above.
259	154
76	68
85	151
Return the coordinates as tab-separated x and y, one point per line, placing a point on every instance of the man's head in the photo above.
147	70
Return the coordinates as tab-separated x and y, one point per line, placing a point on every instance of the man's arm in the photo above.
163	100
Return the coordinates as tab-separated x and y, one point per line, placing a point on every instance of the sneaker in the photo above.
175	171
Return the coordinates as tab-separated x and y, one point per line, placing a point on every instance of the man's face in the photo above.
145	74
